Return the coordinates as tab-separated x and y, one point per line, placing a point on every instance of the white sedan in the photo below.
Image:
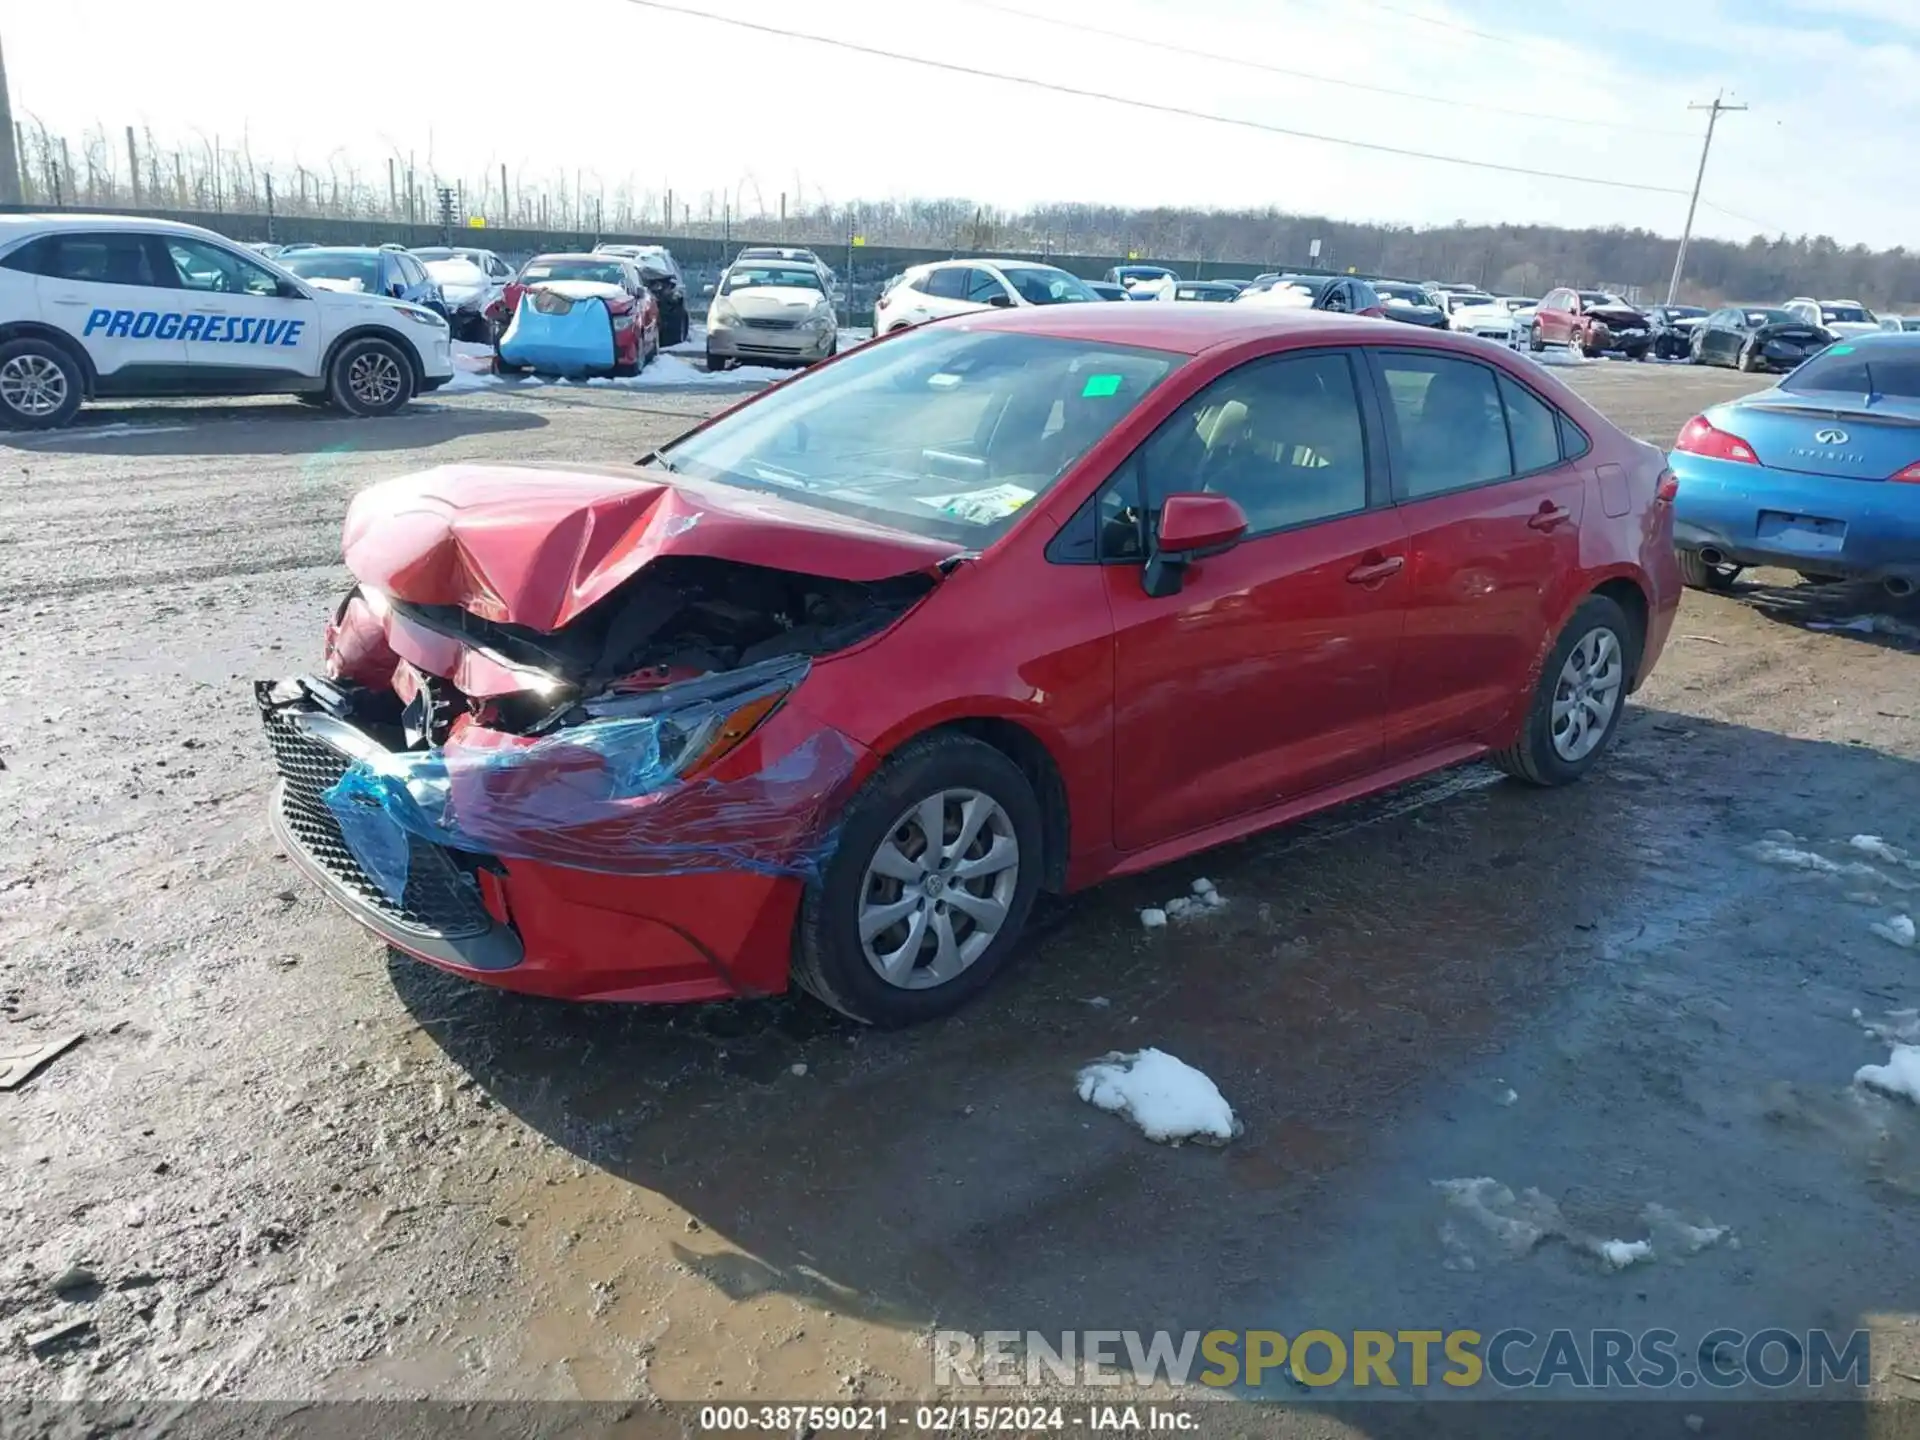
955	287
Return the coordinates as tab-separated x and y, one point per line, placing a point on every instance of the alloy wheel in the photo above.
938	889
33	385
1586	694
374	379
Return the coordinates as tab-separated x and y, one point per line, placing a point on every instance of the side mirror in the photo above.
1191	527
1002	301
287	290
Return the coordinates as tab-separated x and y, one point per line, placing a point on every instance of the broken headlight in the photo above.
658	736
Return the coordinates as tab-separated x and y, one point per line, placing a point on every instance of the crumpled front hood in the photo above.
533	547
1617	315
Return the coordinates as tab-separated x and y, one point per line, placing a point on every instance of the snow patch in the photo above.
1619	1254
1776	852
1899	930
1167	1098
1880	850
1900	1027
1678	1235
1899	1077
1154	918
1516	1223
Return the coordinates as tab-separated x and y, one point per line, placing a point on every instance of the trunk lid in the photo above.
1844	435
535	548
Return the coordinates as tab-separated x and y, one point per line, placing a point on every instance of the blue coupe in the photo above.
1820	474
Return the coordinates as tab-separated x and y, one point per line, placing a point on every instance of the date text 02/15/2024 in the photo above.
942	1419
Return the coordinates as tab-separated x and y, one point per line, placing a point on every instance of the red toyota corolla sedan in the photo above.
829	687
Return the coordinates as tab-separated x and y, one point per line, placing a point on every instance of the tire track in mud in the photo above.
189	574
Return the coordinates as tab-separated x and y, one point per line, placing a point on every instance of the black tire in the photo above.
1577	343
1749	360
1534	341
716	363
1636	355
370	376
503	367
829	960
1532	757
682	326
1697	574
44	376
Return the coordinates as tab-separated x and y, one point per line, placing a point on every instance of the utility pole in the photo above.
1714	112
9	154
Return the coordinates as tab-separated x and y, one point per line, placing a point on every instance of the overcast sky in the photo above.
632	95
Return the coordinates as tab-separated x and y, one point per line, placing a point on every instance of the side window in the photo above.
201	266
33	258
1573	440
111	259
1281	437
983	287
1452	427
498	268
949	282
1533	427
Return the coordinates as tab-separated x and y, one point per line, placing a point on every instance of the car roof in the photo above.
14	227
1191	329
602	256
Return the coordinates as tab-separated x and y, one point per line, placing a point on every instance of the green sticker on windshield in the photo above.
1099	385
1841	350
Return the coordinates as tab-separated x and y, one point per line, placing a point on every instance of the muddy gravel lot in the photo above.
283	1164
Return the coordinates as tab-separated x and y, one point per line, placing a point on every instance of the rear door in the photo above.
1493	514
109	290
1265	677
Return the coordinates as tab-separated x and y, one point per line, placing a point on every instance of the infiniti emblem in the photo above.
1831	437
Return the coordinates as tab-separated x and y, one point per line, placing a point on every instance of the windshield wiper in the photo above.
658	457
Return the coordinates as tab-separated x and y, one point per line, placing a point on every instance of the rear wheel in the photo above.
1697	573
936	867
40	385
1535	342
1582	693
370	377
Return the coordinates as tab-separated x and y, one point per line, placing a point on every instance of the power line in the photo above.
1169	48
1158	107
1443	24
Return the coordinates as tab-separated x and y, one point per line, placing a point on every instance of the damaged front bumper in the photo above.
566	865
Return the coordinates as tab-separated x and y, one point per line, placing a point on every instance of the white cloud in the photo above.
620	94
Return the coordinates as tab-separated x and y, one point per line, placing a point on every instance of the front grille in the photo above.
771	324
440	899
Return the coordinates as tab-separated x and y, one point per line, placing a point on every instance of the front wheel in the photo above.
1697	573
40	385
923	902
1749	360
370	377
1582	693
716	363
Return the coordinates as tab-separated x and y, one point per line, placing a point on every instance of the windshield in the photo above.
1846	315
434	252
1684	312
345	266
1043	285
1893	372
1406	294
604	272
1600	297
742	277
942	432
1756	318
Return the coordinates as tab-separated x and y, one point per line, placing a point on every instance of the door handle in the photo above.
1548	516
1375	568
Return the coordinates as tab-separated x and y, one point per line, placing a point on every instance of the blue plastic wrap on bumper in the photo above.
575	341
604	795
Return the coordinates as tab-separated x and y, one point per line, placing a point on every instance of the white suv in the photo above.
955	287
1844	318
98	306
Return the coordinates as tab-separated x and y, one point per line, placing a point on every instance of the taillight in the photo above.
1908	476
1669	486
1699	436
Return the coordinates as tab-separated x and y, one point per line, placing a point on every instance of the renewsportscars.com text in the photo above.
1511	1359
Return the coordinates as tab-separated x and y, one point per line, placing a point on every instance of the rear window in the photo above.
602	272
1846	315
1853	371
355	271
784	277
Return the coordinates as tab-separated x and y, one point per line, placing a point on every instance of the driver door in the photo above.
246	328
1266	676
